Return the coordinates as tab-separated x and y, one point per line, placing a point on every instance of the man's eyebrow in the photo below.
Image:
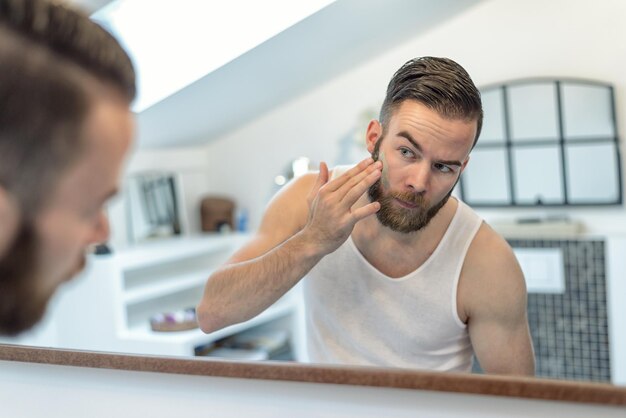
408	137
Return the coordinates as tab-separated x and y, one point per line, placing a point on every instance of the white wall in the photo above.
495	41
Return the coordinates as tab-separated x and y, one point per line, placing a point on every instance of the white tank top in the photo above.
357	315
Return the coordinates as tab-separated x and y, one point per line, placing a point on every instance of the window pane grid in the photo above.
580	128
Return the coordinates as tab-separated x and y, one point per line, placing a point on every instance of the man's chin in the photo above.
23	316
401	226
401	217
77	270
28	315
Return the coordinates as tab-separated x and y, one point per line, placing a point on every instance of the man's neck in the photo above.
396	254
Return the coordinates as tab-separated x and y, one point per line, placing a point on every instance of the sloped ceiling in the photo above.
337	38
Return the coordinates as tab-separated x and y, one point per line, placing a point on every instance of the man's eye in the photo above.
406	152
443	168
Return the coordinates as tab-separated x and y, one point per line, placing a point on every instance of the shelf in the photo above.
173	249
195	337
161	276
155	290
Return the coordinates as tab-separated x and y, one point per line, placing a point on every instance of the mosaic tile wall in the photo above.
570	330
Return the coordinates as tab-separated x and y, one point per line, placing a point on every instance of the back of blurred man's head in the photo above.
65	128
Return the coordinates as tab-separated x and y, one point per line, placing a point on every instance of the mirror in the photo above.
493	130
549	132
582	187
537	174
533	112
588	111
486	179
243	160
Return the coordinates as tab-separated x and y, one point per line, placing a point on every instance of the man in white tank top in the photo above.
397	273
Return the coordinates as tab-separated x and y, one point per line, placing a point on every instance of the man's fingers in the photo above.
335	184
356	191
365	211
322	179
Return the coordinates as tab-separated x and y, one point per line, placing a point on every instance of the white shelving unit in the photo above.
108	309
195	337
162	289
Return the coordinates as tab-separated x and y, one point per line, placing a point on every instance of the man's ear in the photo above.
373	134
9	219
464	164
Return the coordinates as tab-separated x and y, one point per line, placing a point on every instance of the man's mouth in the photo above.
408	205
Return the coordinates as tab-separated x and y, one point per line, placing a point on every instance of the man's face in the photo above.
423	155
50	250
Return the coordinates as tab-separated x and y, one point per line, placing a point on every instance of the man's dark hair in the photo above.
440	84
54	61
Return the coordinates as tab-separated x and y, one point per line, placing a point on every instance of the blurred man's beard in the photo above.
401	219
22	303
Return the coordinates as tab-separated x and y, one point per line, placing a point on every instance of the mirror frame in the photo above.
508	386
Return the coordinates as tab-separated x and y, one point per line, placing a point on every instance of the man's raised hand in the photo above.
331	213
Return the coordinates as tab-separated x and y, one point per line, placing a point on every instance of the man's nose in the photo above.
419	177
101	229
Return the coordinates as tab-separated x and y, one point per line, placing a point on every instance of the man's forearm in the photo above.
238	292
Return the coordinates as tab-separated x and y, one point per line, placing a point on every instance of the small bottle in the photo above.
242	220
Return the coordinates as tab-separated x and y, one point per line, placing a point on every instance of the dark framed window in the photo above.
547	142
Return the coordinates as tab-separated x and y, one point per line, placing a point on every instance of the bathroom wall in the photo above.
495	41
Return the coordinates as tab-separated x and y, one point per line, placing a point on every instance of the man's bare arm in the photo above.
494	294
293	237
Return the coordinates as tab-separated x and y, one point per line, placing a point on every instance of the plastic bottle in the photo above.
242	220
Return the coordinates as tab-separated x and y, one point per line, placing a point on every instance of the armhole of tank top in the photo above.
457	276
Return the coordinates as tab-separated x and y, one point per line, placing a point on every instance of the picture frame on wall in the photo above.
152	206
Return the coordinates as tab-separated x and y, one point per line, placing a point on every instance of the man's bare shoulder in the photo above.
490	248
288	211
298	187
284	216
491	274
289	207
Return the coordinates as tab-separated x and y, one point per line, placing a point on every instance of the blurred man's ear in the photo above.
9	219
373	134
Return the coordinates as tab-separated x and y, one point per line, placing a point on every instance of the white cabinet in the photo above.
109	307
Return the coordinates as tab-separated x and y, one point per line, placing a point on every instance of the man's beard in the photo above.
22	301
402	219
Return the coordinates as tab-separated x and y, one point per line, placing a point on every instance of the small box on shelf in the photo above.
258	343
